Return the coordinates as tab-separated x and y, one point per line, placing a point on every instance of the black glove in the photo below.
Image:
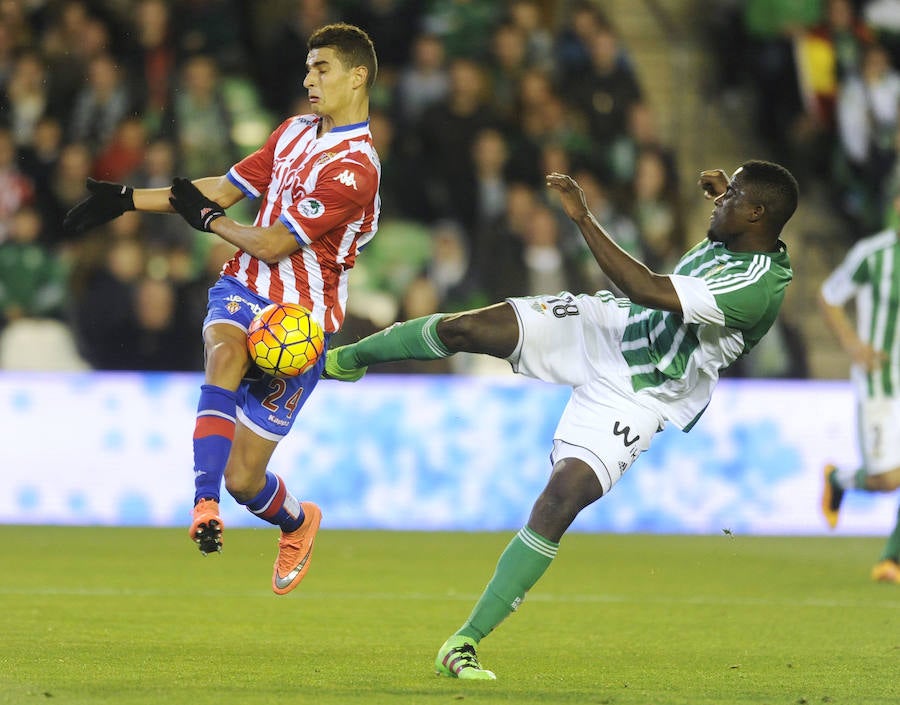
194	207
107	201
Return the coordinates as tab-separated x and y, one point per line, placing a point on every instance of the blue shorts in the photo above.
267	405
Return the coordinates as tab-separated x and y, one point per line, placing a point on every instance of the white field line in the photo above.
600	598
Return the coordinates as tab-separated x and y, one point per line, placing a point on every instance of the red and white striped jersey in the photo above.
325	190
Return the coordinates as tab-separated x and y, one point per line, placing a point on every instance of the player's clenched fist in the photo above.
713	182
198	210
106	201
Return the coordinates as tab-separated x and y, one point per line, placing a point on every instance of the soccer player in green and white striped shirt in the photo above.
870	277
634	364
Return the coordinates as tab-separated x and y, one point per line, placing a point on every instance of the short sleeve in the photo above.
254	172
844	282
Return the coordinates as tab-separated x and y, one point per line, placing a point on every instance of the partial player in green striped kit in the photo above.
634	364
869	277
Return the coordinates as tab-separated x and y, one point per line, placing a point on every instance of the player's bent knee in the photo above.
493	331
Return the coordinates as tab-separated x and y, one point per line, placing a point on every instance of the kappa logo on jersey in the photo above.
311	208
348	178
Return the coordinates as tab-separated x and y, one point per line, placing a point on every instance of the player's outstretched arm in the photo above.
634	278
107	200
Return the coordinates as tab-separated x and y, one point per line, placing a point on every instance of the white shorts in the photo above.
574	340
879	434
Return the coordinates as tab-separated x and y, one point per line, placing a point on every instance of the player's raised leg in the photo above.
493	330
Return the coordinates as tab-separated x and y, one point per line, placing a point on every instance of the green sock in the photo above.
413	340
520	566
892	547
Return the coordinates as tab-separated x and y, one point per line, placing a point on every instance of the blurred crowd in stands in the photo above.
476	100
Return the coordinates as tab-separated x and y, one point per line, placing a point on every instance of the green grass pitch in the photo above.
127	616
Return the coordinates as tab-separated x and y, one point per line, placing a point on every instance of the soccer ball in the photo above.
284	340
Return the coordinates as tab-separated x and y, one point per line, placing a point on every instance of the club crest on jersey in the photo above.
539	306
712	272
311	208
348	178
325	157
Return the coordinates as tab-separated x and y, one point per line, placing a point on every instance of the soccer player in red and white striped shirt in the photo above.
317	177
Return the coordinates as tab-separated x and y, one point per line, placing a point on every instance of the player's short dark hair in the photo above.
774	187
352	45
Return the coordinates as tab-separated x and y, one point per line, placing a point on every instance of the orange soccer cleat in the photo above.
206	528
295	550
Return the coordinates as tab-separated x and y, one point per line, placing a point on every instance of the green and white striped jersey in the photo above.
870	274
729	300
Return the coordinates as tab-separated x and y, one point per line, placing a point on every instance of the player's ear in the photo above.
360	77
757	213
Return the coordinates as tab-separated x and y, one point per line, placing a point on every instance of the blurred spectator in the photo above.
160	342
464	25
883	17
490	154
66	187
26	99
545	265
657	211
39	158
555	123
642	134
868	113
772	26
72	40
17	189
123	154
104	312
617	223
574	39
421	83
282	60
402	183
605	92
214	28
506	64
388	23
446	134
100	104
199	122
501	265
450	270
157	171
827	55
32	278
151	60
529	16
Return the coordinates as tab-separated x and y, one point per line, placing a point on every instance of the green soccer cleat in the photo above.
334	371
457	659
